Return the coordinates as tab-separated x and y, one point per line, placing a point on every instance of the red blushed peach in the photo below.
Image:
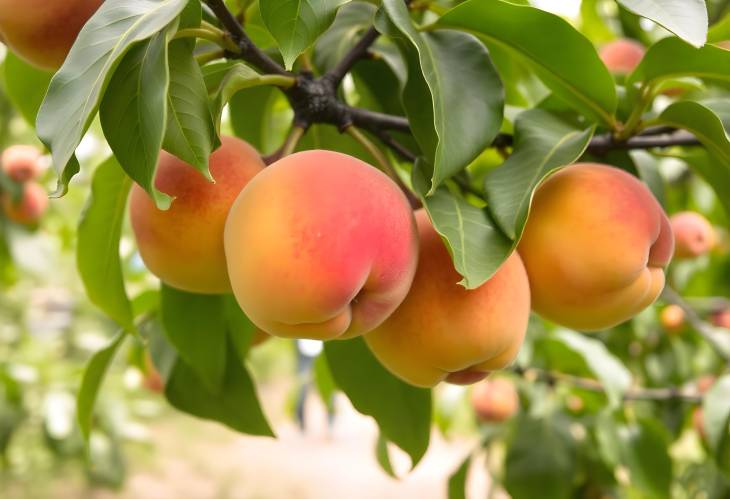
21	163
43	31
693	234
622	56
721	319
320	245
445	332
594	246
183	245
495	400
29	209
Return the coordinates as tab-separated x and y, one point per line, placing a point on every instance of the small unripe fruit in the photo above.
622	56
594	247
320	245
495	400
43	31
672	318
29	209
445	332
183	245
721	319
21	163
693	234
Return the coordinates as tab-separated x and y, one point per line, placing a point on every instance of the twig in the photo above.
248	50
694	320
398	148
360	50
636	393
289	145
374	121
604	143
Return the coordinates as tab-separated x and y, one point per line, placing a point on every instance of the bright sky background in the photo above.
568	8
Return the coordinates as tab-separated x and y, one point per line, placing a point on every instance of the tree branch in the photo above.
604	143
374	121
360	50
249	52
637	393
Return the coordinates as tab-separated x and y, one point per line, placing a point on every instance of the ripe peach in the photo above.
622	56
594	247
721	319
445	332
693	234
672	318
21	163
183	245
320	245
495	400
42	31
29	209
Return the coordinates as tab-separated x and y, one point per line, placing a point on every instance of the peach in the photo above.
495	400
320	245
594	247
43	31
704	383
693	234
445	332
721	319
622	56
183	245
29	209
672	318
21	163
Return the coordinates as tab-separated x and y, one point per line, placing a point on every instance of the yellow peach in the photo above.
183	245
445	332
693	234
495	400
594	247
31	206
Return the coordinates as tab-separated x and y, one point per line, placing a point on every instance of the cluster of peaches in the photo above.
322	245
22	165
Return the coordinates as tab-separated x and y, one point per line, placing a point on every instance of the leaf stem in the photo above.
211	34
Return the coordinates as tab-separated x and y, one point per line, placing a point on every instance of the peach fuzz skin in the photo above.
693	234
622	56
595	245
31	206
43	31
320	245
183	245
444	332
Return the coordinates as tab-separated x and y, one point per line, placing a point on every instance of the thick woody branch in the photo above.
360	50
248	51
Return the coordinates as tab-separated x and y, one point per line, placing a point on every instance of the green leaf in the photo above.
196	326
457	480
674	58
190	133
238	77
76	89
644	452
541	459
236	405
296	24
324	382
383	456
403	412
91	381
566	61
251	116
25	85
720	31
97	250
597	359
352	20
477	246
543	143
133	111
685	18
453	96
240	328
708	128
716	419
